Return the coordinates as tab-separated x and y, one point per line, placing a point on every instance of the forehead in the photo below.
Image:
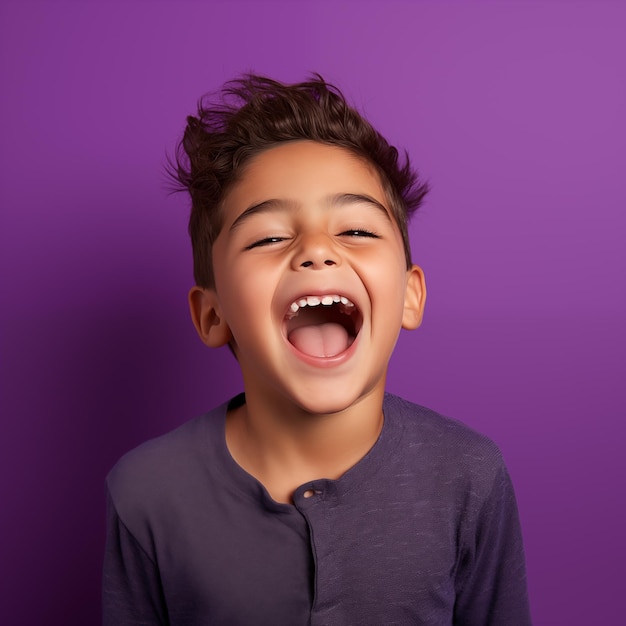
301	173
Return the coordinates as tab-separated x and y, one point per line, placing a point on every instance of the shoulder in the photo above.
165	467
444	445
432	428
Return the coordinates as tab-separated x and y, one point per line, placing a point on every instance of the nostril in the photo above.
313	263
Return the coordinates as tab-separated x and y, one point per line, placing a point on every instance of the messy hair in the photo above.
255	113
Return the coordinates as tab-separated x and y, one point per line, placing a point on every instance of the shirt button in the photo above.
310	493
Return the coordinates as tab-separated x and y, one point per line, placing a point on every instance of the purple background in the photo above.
513	111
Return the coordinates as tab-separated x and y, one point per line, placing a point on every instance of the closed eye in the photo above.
359	232
267	241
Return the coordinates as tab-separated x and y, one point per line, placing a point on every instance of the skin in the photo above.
306	219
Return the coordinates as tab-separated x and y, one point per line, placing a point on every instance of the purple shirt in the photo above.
423	530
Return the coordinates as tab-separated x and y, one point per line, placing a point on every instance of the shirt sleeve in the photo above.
131	586
491	578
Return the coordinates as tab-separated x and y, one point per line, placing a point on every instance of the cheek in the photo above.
387	288
388	274
246	290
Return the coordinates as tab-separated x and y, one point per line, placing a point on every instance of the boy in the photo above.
315	498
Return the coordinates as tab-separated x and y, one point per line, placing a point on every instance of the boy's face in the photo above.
311	286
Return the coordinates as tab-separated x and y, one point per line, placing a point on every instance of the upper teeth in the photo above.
317	300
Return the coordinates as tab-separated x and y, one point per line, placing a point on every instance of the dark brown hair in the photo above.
255	113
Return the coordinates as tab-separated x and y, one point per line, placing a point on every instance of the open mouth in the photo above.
322	326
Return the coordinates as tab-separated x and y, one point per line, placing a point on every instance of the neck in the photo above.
284	446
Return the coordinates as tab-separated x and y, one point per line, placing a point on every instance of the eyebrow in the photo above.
336	200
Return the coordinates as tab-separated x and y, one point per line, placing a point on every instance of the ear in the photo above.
207	317
414	298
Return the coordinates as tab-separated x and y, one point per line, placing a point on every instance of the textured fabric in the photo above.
423	530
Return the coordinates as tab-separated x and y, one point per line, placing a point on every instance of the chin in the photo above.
329	401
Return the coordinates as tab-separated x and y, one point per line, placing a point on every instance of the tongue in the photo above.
320	339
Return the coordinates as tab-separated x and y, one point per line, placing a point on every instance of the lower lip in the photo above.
325	361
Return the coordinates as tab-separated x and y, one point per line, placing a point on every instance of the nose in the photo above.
316	252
